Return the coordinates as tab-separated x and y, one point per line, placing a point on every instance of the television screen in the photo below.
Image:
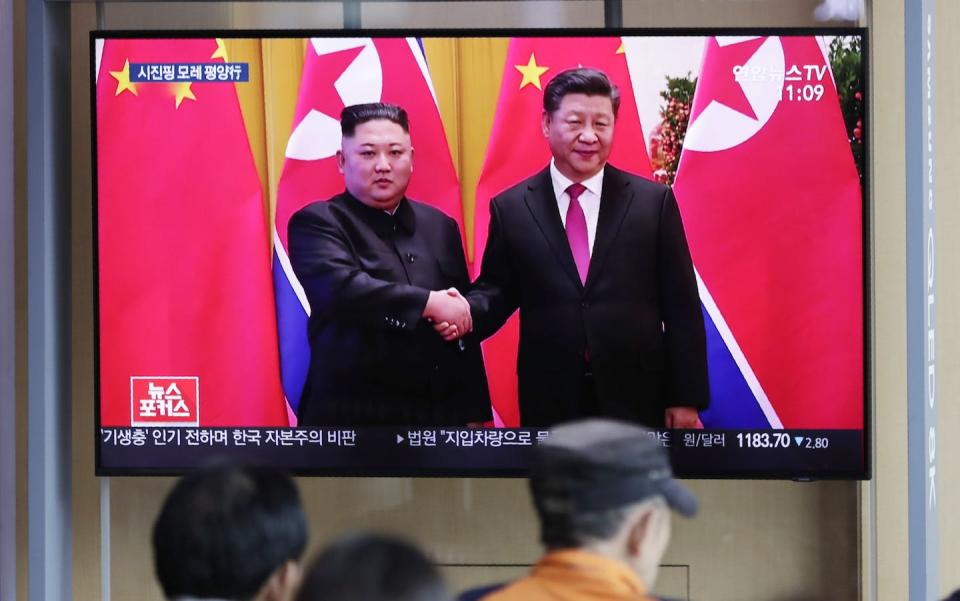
411	253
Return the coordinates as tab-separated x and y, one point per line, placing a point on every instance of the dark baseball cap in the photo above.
602	464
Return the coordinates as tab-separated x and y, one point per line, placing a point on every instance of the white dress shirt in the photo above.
589	199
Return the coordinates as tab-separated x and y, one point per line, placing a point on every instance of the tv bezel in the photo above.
427	471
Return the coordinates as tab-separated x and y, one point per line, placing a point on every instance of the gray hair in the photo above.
562	526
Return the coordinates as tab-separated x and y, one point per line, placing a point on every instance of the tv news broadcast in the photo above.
411	253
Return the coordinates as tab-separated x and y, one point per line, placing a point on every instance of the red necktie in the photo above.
577	231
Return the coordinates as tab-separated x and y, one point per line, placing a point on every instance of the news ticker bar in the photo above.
468	451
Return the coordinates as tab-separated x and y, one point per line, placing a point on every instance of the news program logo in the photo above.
164	401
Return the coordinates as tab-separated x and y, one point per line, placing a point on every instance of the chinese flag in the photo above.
339	72
771	202
184	258
517	150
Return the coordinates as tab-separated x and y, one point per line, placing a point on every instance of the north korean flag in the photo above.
772	206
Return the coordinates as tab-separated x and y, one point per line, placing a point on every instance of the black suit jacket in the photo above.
637	320
374	360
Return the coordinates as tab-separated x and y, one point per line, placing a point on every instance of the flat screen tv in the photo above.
412	252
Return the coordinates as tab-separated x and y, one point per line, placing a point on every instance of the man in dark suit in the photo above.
381	274
597	262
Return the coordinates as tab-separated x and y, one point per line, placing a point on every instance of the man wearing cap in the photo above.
603	491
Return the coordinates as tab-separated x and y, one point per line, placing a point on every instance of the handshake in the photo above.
449	312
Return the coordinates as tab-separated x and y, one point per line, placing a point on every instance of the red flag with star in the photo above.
185	298
771	204
339	72
717	76
518	150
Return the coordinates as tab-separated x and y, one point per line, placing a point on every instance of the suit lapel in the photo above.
615	199
542	203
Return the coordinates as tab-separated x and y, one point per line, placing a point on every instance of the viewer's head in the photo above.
579	110
607	486
230	532
376	158
370	567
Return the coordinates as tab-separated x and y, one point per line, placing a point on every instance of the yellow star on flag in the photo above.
531	72
221	51
182	90
621	49
123	79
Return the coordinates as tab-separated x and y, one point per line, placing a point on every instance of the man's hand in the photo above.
453	292
449	312
683	418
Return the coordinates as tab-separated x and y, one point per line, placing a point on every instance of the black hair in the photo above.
371	567
224	530
354	115
591	82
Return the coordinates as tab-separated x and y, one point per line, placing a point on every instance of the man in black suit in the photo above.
381	274
597	262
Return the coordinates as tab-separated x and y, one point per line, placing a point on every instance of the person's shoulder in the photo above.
518	190
510	592
480	592
523	589
433	219
639	184
424	211
322	210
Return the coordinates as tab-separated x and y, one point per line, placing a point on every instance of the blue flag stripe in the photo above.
292	334
732	403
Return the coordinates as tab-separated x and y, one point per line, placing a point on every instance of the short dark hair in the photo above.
583	80
372	567
223	530
353	115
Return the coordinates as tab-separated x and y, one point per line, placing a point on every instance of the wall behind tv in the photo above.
484	530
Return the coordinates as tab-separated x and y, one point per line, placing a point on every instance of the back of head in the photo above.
588	475
371	568
223	531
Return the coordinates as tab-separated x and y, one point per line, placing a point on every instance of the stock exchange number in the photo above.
821	442
764	440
